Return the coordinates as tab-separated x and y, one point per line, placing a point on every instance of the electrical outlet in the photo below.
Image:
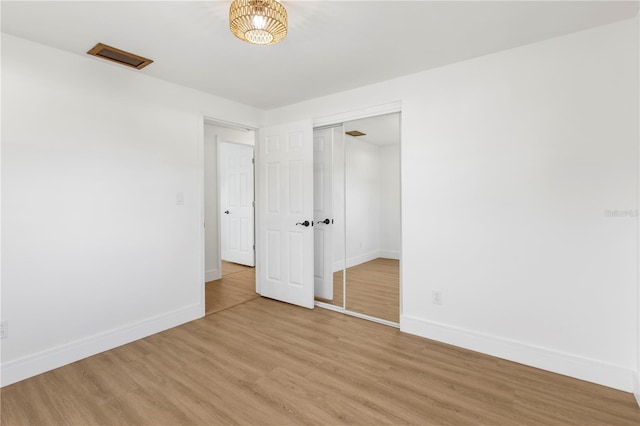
4	329
436	297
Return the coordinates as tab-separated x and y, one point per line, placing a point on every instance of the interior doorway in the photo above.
228	191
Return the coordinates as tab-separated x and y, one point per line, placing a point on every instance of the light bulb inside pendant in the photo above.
259	22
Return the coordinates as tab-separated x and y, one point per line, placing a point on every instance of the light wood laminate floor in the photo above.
268	363
237	285
373	288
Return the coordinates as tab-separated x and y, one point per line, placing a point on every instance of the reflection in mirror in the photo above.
372	194
328	193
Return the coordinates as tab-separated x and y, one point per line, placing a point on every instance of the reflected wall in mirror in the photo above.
372	214
328	193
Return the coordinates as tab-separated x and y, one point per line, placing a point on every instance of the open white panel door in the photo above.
284	237
323	212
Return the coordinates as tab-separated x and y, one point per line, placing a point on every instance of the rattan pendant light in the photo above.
258	21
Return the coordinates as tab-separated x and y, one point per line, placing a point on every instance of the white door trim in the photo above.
357	114
201	201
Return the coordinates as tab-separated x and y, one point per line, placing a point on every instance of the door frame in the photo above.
340	118
212	120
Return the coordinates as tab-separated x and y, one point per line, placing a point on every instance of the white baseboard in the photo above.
212	275
385	254
636	387
338	265
34	364
570	365
361	258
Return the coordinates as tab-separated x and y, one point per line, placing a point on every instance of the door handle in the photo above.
305	223
226	212
326	221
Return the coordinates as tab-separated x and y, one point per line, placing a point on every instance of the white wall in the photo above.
362	197
389	239
509	162
372	201
95	250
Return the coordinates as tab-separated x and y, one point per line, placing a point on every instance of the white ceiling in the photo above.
331	46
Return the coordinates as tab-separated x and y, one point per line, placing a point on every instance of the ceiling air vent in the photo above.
355	133
119	56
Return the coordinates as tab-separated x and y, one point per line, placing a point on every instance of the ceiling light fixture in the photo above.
258	21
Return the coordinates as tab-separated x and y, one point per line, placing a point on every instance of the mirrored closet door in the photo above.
329	227
357	217
372	212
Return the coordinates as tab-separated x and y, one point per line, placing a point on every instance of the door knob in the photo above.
326	221
226	212
305	223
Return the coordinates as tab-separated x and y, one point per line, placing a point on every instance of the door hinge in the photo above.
253	161
254	247
253	204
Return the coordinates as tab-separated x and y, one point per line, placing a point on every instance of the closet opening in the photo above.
357	205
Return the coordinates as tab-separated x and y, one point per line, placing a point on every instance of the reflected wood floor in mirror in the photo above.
338	294
269	363
237	285
373	288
